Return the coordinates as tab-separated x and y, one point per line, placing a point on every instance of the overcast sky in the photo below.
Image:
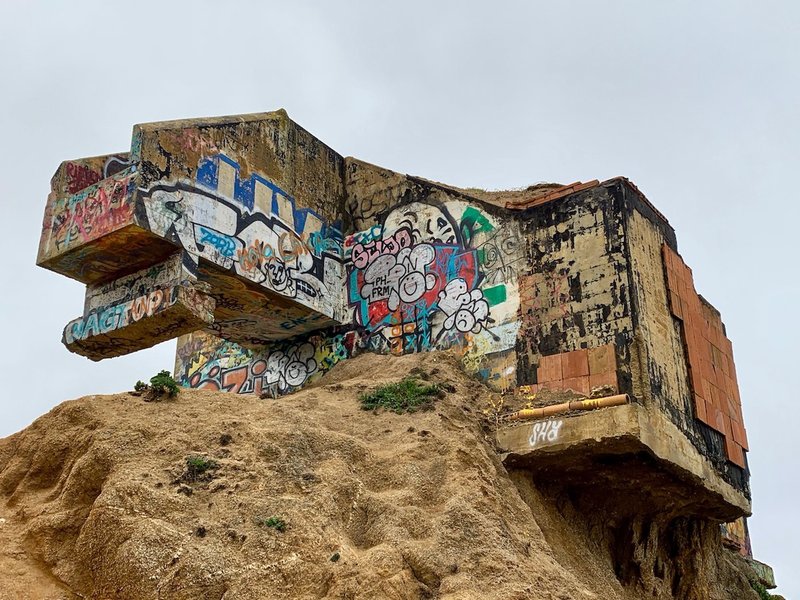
696	102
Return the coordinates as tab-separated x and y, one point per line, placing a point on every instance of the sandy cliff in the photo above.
96	502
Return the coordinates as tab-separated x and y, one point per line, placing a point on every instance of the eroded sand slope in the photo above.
415	506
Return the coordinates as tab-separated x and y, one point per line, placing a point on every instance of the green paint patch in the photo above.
495	295
473	222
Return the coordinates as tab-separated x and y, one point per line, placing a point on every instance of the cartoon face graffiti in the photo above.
292	367
465	310
427	223
399	278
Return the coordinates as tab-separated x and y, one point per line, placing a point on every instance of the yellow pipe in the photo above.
555	409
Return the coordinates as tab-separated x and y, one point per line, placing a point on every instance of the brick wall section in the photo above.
709	353
579	370
573	283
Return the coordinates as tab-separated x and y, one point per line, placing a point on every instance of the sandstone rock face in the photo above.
96	502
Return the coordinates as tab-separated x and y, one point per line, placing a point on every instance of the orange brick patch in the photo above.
709	355
578	370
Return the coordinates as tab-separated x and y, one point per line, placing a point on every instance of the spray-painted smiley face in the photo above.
296	373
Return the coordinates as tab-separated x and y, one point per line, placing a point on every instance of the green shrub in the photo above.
273	523
197	466
407	395
163	383
160	384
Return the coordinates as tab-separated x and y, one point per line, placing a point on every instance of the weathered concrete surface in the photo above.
252	202
766	576
648	459
301	259
267	144
142	322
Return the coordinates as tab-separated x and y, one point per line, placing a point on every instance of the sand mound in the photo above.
97	501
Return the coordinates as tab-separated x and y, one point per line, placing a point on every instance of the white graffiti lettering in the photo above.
465	310
545	431
291	368
400	278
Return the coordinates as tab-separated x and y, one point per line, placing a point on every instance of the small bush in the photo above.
273	523
197	466
407	395
163	383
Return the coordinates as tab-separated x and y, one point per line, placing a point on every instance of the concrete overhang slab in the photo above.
633	452
140	323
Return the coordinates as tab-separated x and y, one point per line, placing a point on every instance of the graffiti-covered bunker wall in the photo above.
274	258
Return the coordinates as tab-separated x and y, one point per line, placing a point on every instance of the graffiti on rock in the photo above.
399	278
363	254
415	282
465	310
499	256
80	177
419	285
117	316
92	212
291	368
210	363
253	231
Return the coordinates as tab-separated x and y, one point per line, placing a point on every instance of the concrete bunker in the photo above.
272	258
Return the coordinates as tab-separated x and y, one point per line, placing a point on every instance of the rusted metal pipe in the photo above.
556	409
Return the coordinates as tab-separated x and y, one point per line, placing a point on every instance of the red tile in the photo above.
667	255
602	359
716	400
577	384
599	379
549	368
737	399
675	305
735	454
697	383
717	359
683	290
728	426
575	364
706	390
717	332
739	434
689	278
684	309
721	383
715	418
725	404
707	370
727	346
693	351
728	387
700	409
